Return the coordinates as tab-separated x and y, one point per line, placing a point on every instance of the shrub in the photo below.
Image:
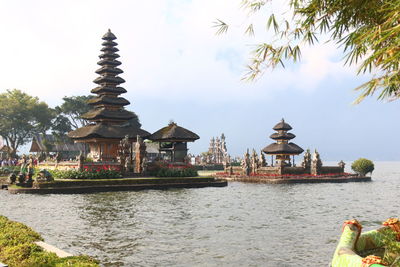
362	166
162	169
9	169
85	174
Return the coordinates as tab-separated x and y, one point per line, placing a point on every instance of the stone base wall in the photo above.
275	170
331	169
295	170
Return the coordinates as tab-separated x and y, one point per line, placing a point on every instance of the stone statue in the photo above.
307	160
31	167
140	153
58	157
316	164
124	150
81	160
246	163
255	164
263	162
342	165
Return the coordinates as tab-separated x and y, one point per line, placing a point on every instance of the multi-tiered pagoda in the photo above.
110	122
282	149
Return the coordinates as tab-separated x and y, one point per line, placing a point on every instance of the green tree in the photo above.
367	30
363	166
21	116
73	108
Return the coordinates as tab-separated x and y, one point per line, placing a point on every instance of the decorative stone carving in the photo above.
81	160
246	163
263	162
124	151
255	164
316	164
306	164
342	165
140	153
217	152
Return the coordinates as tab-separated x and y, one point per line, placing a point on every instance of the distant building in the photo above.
53	144
172	141
4	149
217	152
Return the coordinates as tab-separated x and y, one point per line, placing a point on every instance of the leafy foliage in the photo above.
17	248
367	31
73	108
85	174
22	115
392	248
9	169
363	166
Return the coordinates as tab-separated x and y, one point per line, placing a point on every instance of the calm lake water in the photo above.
239	225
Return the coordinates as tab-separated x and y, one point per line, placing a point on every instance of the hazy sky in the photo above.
176	68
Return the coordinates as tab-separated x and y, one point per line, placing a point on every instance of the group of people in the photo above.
17	162
8	162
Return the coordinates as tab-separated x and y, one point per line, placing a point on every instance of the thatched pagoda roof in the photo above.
109	36
173	133
282	136
101	130
102	113
282	126
108	89
279	149
107	100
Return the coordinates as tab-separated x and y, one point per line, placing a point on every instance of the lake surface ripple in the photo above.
239	225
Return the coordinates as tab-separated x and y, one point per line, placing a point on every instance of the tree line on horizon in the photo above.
22	116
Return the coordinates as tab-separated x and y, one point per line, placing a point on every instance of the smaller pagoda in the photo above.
282	149
173	141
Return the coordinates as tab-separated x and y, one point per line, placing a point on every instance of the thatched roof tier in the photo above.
109	43
109	70
109	36
107	100
173	133
109	80
282	136
282	126
109	62
107	131
109	55
108	89
109	114
109	48
283	149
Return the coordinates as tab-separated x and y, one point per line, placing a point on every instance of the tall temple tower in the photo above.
282	149
109	120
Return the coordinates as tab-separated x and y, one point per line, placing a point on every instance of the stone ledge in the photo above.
112	188
49	248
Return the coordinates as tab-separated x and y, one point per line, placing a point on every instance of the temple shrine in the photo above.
282	149
254	168
110	122
172	141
